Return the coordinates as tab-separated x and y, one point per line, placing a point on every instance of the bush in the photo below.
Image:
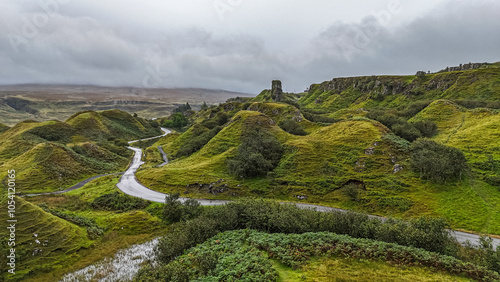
294	250
182	108
120	142
93	230
401	143
224	257
57	132
427	128
269	216
177	120
406	131
265	215
175	211
218	120
437	162
117	201
351	191
387	119
258	154
292	127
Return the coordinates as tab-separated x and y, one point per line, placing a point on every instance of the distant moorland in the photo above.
47	102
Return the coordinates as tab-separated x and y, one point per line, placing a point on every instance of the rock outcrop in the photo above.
276	91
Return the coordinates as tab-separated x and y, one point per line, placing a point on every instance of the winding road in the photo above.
164	156
129	185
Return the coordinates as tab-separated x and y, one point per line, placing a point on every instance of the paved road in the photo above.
165	132
74	187
129	184
165	159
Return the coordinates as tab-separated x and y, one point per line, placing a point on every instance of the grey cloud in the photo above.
77	45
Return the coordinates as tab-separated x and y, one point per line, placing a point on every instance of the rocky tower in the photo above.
276	91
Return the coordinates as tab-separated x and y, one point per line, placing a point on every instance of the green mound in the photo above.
53	155
208	164
109	124
51	166
43	241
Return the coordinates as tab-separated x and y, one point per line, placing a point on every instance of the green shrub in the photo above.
237	255
172	211
293	250
401	143
426	127
258	154
351	191
224	257
117	201
120	142
407	131
386	118
177	120
93	230
175	211
269	216
57	132
182	108
292	127
437	162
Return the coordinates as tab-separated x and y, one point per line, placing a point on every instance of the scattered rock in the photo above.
360	165
397	168
370	151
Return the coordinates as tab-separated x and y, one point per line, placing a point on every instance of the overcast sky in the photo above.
238	45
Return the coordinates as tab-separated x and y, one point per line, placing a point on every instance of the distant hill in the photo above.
46	102
53	155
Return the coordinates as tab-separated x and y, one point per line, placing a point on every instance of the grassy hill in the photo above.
53	155
353	153
395	91
43	242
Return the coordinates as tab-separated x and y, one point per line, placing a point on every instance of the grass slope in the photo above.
393	91
63	254
43	242
53	155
